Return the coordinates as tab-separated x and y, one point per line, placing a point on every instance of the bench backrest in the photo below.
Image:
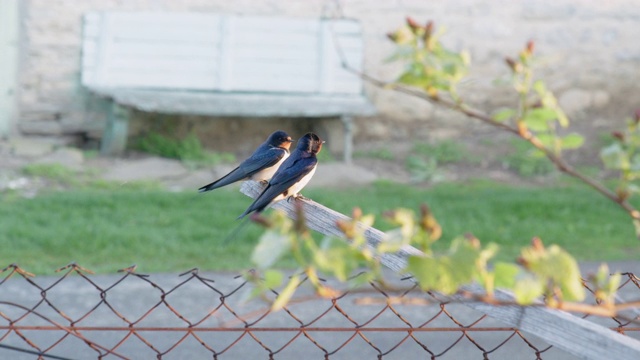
228	53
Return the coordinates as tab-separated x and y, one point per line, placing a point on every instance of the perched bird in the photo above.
292	176
261	165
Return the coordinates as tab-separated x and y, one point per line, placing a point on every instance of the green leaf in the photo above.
367	220
527	289
504	115
338	258
486	254
549	101
404	35
568	275
612	285
540	87
506	274
483	275
572	141
614	157
286	294
448	272
271	246
563	120
413	79
605	284
406	219
539	161
272	279
556	267
538	119
548	140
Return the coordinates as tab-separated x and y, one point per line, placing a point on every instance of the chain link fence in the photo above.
78	315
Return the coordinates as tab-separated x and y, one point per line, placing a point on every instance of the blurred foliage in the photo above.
423	169
623	156
380	153
425	159
444	152
54	172
60	176
429	65
189	150
541	271
526	161
325	156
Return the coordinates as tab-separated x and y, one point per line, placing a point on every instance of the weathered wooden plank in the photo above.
126	66
145	50
239	53
171	80
337	43
139	21
570	333
132	50
274	54
239	104
223	80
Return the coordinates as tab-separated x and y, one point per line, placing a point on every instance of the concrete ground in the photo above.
219	300
17	153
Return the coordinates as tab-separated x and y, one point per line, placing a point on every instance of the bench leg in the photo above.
114	138
347	122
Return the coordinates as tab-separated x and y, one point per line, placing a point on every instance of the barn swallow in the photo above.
292	176
261	165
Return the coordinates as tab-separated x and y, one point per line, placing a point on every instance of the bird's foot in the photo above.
296	197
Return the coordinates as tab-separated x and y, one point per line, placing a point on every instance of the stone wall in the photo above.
589	51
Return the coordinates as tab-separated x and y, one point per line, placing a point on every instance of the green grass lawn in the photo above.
109	229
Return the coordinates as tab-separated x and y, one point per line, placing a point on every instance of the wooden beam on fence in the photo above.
570	333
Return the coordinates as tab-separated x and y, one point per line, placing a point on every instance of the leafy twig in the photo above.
521	131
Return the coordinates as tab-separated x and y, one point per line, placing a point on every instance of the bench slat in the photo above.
272	55
240	104
340	40
220	53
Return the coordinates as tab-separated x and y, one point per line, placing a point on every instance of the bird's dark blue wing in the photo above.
235	175
262	160
292	173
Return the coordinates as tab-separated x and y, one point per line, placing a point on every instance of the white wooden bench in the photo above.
222	65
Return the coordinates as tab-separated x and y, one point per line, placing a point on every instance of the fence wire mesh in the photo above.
78	315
